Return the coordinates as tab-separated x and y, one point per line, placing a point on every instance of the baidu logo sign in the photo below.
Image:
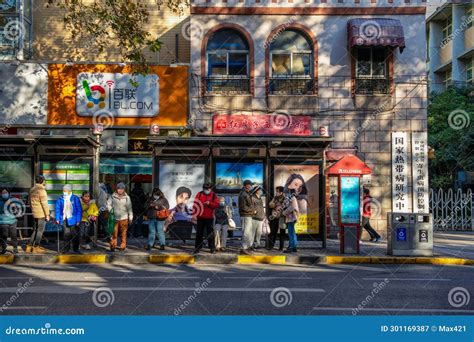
120	94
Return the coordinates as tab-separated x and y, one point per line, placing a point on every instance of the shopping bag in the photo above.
53	227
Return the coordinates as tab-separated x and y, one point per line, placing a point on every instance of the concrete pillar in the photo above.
458	72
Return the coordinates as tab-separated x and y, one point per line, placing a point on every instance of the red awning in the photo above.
349	165
375	32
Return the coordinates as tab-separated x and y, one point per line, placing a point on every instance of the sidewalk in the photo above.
449	248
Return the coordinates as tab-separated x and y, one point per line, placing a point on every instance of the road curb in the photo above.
397	260
225	259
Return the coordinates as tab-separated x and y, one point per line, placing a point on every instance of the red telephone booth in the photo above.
346	200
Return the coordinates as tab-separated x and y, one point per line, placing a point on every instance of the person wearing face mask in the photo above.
68	212
157	212
258	216
38	200
8	222
89	219
205	203
121	204
223	213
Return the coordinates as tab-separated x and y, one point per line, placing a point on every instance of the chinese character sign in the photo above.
419	154
121	95
399	172
263	124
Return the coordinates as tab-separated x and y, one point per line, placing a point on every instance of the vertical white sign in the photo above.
419	165
399	172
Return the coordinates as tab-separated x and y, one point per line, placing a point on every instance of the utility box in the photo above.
410	234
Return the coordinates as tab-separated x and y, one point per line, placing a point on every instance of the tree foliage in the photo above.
123	23
451	134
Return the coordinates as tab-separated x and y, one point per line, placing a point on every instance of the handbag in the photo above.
231	224
111	222
265	227
162	214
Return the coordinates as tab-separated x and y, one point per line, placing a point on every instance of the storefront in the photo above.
184	164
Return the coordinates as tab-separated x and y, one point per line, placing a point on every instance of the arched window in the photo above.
227	55
291	61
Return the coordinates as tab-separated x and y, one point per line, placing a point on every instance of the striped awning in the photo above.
375	32
126	166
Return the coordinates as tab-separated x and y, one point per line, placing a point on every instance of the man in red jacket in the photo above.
205	203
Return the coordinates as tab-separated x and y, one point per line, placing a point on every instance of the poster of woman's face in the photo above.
303	181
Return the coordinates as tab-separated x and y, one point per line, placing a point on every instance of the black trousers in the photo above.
274	228
5	230
366	225
72	237
205	226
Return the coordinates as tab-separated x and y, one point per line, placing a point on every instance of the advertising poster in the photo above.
304	179
58	174
15	174
350	200
181	182
231	176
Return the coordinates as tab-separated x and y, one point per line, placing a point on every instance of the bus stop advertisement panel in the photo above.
349	171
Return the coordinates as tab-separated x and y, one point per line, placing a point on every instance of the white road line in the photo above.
25	308
170	276
71	290
408	279
322	308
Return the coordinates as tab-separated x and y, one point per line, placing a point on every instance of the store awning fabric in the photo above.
375	32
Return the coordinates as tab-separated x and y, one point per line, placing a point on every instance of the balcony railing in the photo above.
291	86
372	86
227	85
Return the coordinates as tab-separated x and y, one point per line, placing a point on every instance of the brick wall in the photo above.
53	43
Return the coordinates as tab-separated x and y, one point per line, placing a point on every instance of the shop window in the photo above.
372	71
15	29
291	62
447	29
227	55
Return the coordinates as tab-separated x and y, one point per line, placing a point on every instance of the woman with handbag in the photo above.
157	212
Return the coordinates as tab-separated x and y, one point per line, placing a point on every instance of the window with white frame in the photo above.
291	60
15	29
372	71
227	55
447	28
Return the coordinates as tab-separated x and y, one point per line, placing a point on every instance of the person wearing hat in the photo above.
68	212
246	212
258	216
38	200
121	204
205	203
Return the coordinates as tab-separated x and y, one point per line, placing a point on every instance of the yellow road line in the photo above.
172	259
261	259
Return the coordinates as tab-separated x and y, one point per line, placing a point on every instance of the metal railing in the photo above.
291	86
452	209
227	85
372	86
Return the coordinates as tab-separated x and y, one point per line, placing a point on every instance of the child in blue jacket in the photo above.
69	214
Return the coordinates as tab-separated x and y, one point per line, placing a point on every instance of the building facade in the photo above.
277	92
450	34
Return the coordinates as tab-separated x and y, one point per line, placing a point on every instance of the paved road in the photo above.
236	289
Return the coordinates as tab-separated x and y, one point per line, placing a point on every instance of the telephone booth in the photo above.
345	200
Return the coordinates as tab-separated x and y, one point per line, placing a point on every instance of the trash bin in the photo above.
410	234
